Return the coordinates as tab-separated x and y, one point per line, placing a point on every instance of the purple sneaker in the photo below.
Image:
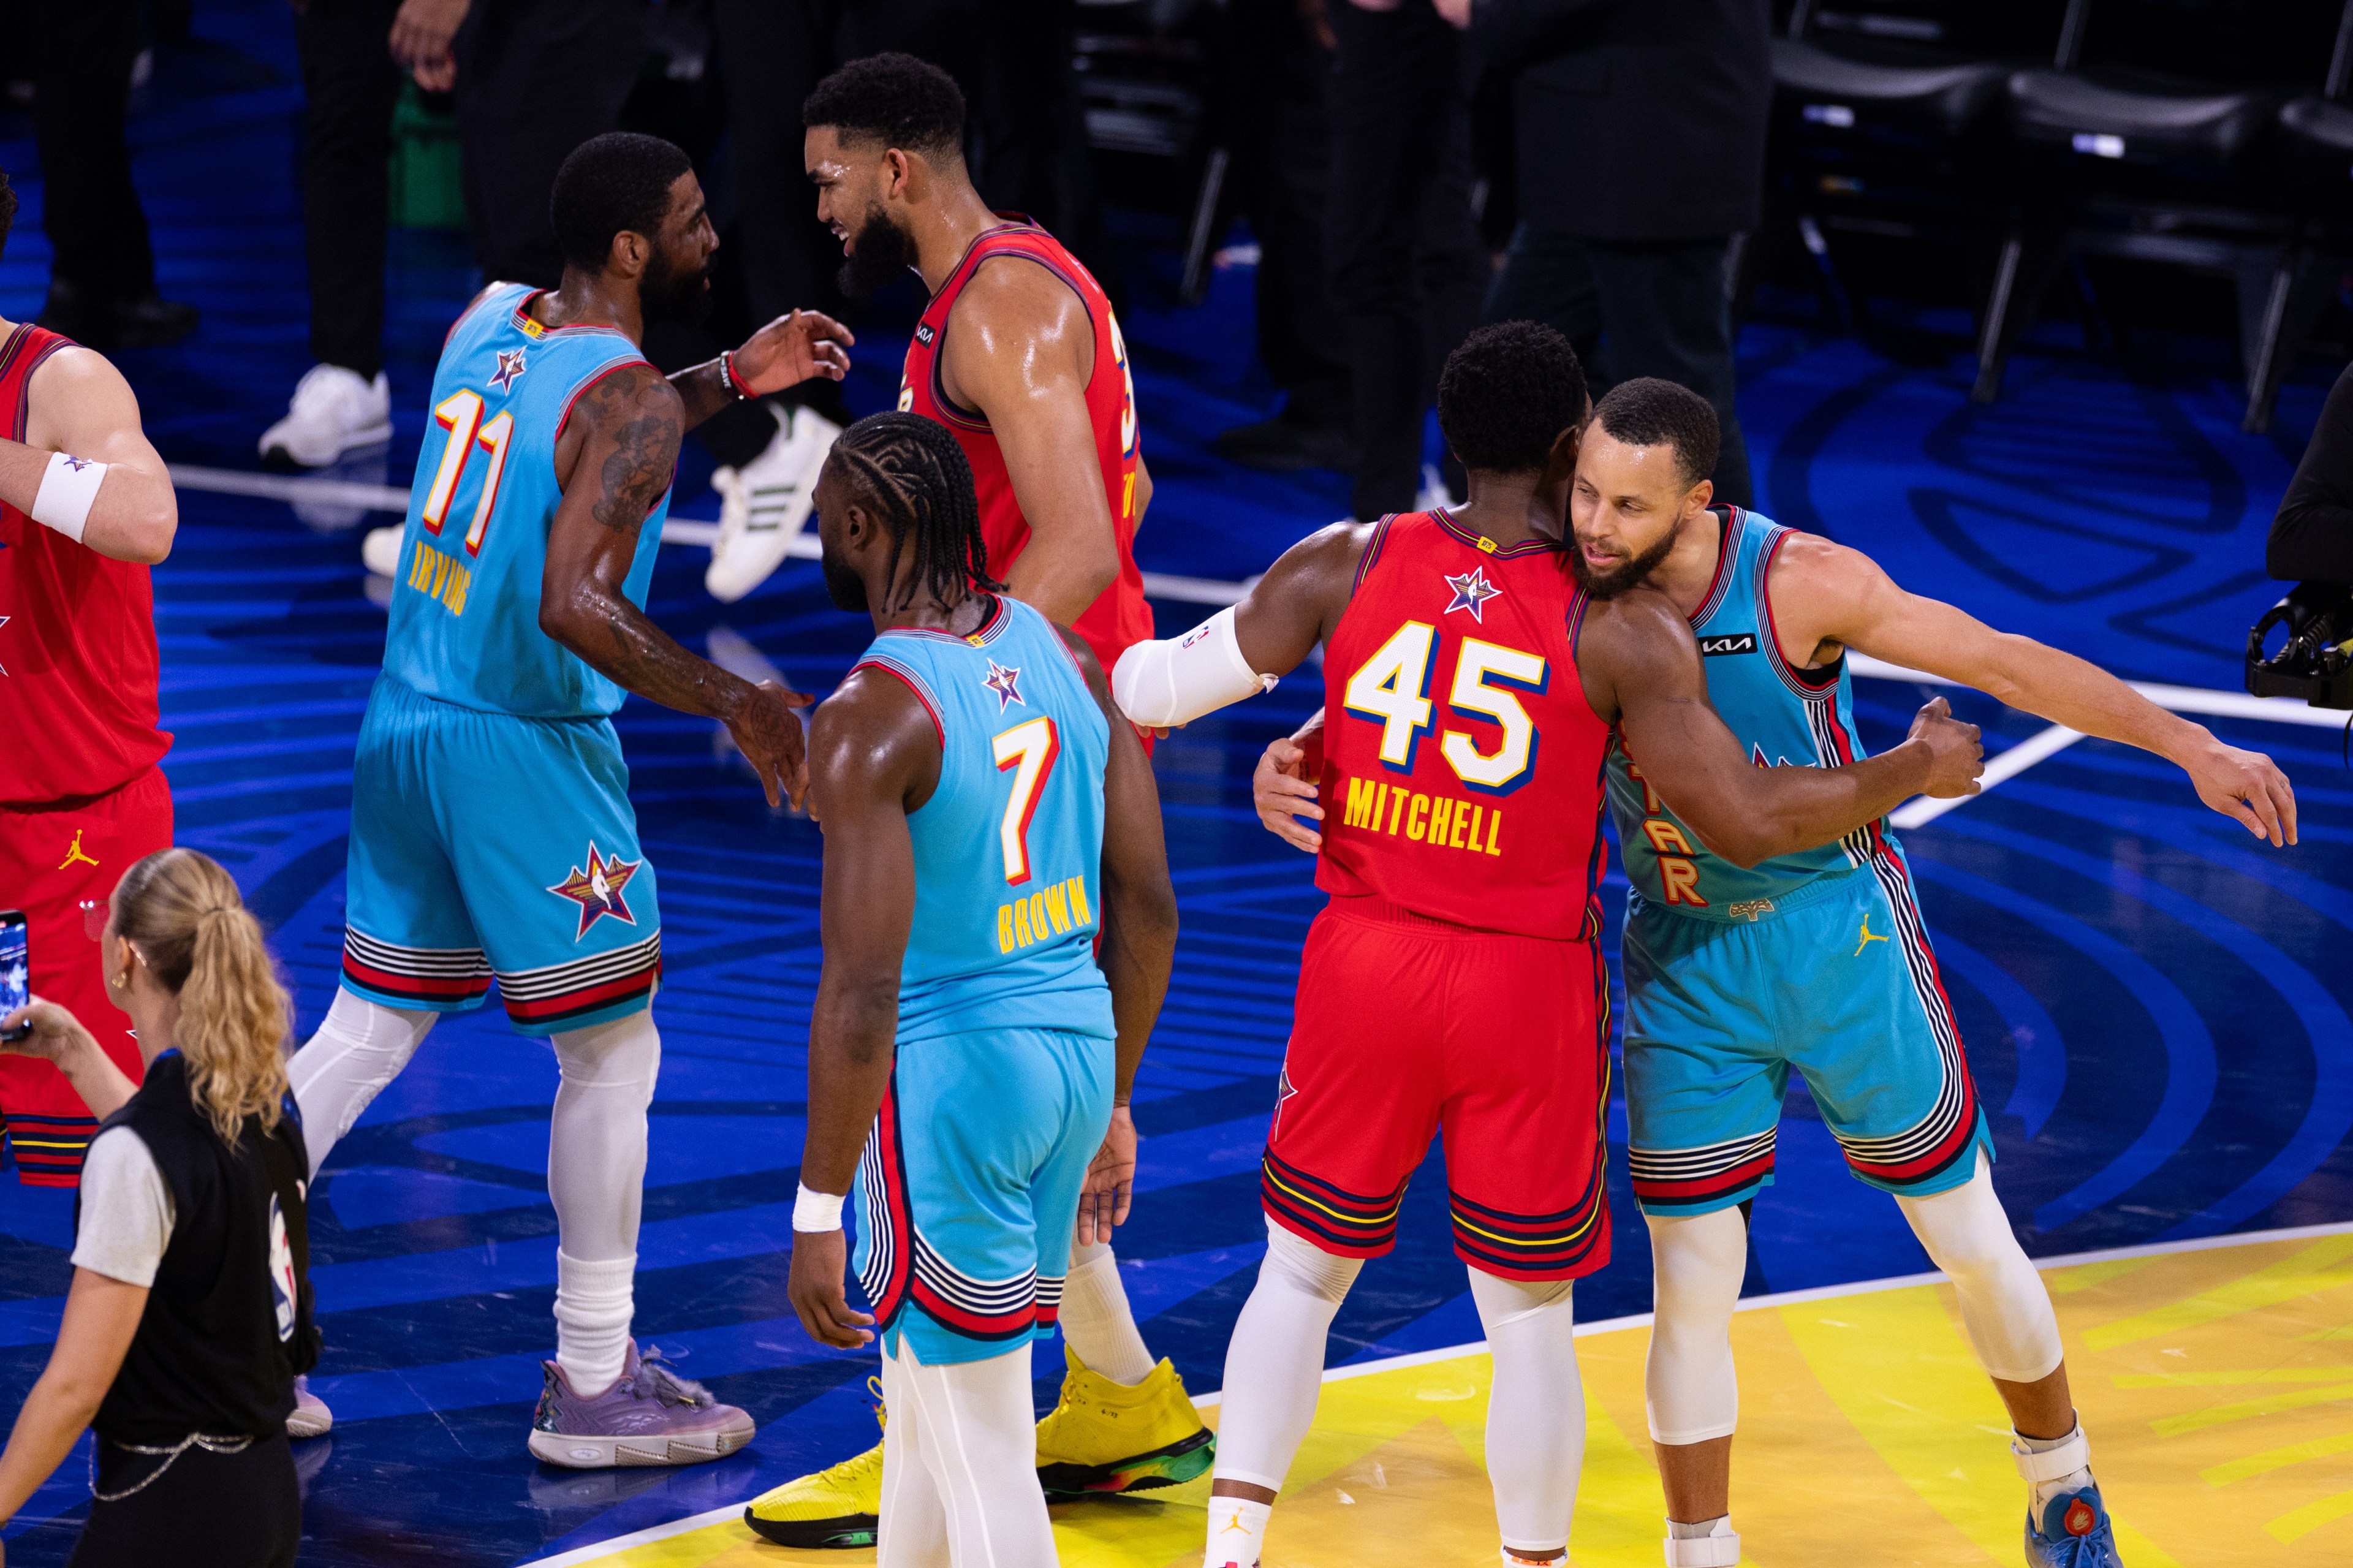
651	1417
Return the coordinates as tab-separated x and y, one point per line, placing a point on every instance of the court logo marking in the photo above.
597	889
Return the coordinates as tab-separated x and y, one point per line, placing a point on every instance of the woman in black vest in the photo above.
189	1315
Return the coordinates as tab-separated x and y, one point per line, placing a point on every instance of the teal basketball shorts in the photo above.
1836	980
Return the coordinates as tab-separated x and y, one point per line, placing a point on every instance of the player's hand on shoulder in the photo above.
2247	786
767	728
1110	1186
1283	793
1956	751
820	1263
794	347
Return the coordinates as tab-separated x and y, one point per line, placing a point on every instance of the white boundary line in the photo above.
584	1554
2008	765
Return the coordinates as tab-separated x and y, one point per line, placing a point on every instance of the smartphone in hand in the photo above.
15	970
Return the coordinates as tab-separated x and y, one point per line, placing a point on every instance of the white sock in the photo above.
2041	1492
1098	1322
359	1049
1237	1531
1708	1544
1536	1412
592	1320
959	1465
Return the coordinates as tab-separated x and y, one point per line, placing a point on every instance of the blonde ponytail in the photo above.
184	912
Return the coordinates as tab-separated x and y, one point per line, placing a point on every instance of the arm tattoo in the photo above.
639	468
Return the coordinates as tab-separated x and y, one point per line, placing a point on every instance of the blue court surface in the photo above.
2155	1005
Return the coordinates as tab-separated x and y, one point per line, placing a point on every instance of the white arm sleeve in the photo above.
126	1210
1167	683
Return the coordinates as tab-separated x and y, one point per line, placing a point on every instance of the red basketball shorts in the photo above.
51	859
1409	1027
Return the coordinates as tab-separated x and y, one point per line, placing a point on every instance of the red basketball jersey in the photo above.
1461	762
77	713
1119	616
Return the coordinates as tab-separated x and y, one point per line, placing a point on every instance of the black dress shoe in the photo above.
1279	446
78	314
153	322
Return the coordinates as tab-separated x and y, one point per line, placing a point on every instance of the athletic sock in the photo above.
1236	1532
1705	1543
593	1302
2041	1492
1097	1321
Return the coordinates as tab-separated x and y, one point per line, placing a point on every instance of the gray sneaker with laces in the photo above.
649	1416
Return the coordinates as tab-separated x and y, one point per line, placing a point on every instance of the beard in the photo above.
1629	574
670	293
879	252
845	587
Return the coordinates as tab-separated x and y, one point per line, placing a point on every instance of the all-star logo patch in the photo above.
511	366
1472	591
1727	642
924	334
597	889
1005	681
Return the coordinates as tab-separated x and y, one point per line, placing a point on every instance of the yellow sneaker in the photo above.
836	1507
1104	1437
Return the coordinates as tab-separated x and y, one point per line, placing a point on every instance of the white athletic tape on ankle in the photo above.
2052	1464
69	487
1704	1551
815	1212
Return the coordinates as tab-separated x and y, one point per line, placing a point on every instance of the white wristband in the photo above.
69	487
817	1211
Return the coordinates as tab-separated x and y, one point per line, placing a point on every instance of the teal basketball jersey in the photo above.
1781	715
1009	849
465	606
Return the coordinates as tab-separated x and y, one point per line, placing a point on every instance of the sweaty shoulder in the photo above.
1818	587
1013	300
873	738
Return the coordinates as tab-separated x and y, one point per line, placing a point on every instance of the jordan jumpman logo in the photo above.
1869	936
75	856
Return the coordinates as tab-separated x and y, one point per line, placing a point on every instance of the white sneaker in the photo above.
762	506
311	1418
334	411
380	549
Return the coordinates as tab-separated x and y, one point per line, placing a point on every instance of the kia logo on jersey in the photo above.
1730	642
923	335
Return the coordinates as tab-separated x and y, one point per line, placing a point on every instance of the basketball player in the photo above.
86	508
1817	960
990	824
1452	983
1020	356
491	831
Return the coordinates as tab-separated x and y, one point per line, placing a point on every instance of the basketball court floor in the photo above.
2154	1005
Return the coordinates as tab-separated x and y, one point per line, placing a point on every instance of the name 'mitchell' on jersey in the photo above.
465	614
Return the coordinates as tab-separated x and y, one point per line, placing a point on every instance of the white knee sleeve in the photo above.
959	1465
2004	1306
359	1049
1274	1365
1536	1412
1696	1266
597	1137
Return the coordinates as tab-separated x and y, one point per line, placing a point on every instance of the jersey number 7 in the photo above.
460	413
1030	750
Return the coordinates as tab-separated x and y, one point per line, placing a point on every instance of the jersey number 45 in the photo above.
1392	690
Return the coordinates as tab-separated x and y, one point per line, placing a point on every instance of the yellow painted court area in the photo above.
2216	1384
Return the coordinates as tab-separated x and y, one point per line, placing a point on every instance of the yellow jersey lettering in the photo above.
1650	795
1455	832
1363	804
1680	878
1417	824
1021	933
1396	808
1080	913
1005	928
1495	830
1039	930
1666	837
1058	906
1127	497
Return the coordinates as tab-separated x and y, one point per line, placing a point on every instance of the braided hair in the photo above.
914	476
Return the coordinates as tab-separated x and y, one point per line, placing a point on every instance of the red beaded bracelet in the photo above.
727	368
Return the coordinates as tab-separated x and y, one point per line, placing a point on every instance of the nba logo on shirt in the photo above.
282	1271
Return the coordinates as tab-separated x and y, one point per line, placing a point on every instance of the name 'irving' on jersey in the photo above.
465	613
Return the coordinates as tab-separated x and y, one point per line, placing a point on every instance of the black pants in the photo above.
1407	271
1657	309
83	91
350	84
1281	92
535	79
204	1510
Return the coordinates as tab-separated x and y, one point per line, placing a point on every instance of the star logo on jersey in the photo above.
1471	592
4	621
1284	1089
509	368
1006	683
1757	756
598	891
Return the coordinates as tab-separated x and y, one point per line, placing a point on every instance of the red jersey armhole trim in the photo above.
23	335
982	251
901	676
1727	545
1791	678
581	391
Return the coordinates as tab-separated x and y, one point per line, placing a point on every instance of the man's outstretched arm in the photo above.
1844	596
623	451
1138	946
794	347
79	407
1642	668
875	755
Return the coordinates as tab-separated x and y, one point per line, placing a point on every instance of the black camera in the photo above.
2315	663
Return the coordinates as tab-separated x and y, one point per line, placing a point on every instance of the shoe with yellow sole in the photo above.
1106	1437
834	1507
